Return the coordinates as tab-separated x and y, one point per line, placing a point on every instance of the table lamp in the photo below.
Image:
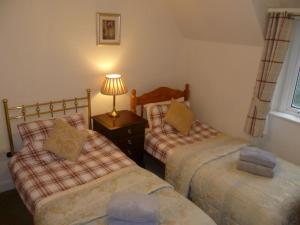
113	85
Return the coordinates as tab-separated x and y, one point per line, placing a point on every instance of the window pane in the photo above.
296	98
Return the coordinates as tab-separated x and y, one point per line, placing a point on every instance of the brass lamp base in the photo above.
114	113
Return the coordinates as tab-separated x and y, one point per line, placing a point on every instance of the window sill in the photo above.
286	116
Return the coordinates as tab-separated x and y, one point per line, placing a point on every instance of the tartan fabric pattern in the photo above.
38	173
38	130
277	40
158	113
161	140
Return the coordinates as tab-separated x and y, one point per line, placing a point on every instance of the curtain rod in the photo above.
290	10
295	12
295	15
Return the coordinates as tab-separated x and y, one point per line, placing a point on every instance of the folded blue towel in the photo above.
258	156
134	208
112	221
256	169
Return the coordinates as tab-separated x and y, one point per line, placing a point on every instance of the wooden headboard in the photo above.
157	95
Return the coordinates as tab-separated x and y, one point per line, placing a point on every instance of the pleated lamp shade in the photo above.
113	85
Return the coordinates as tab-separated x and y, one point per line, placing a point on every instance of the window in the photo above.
296	96
289	93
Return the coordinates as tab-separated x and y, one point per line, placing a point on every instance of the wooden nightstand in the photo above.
126	131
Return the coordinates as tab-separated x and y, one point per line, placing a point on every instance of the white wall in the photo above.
230	21
222	78
283	138
48	50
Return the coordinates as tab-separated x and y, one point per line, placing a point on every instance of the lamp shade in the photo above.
113	85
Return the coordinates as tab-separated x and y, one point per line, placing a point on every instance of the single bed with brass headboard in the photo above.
43	109
38	173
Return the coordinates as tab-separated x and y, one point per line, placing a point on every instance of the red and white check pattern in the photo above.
161	140
38	130
158	112
38	173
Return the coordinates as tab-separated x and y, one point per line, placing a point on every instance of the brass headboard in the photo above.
157	95
38	112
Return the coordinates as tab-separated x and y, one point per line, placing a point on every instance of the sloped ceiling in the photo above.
227	21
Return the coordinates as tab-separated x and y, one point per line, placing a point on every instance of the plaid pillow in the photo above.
158	113
38	130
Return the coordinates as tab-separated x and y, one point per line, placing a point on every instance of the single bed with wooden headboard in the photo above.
157	150
160	94
203	167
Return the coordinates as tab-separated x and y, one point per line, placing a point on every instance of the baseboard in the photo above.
6	185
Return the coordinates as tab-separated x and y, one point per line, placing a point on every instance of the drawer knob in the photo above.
129	152
129	142
129	131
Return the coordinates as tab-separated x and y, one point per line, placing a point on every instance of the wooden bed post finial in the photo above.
187	92
133	101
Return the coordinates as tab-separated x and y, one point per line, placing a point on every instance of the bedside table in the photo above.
126	131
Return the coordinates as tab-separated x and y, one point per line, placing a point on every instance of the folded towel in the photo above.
256	169
112	221
134	207
258	156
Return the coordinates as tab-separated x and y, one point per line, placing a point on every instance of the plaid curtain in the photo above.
277	38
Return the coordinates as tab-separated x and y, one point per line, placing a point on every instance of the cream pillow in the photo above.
180	117
65	140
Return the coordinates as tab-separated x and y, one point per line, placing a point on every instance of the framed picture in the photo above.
108	29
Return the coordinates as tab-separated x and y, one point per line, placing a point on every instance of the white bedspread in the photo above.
87	204
207	174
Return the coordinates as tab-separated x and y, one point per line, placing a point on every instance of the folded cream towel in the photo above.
258	156
256	169
133	207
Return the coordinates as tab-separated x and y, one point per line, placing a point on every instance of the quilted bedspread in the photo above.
206	172
87	204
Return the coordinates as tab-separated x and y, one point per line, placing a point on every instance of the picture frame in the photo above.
108	29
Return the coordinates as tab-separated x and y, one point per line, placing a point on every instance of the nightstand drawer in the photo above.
136	154
126	132
131	142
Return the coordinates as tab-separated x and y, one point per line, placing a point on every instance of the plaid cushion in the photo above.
158	112
38	173
38	130
161	140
